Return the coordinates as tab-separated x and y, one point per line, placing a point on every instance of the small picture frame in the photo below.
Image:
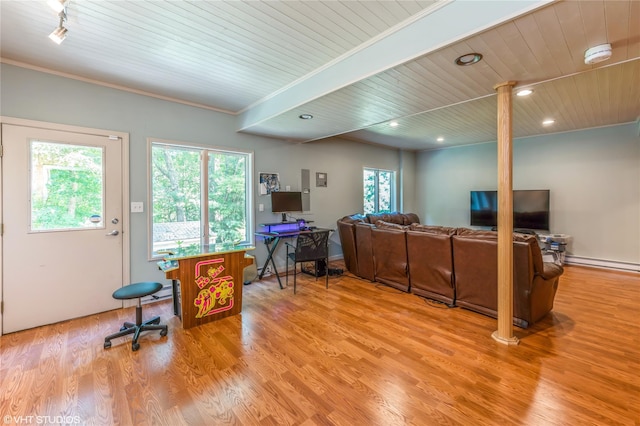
269	182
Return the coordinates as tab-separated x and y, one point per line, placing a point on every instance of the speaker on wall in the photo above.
306	189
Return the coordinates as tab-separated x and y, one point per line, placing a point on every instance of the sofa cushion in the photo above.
381	224
476	233
410	218
431	229
387	217
354	218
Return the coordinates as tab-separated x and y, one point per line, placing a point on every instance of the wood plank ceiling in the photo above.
353	65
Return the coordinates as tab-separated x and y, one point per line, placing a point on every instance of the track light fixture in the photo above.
60	33
57	5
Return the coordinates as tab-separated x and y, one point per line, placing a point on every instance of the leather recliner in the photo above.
430	258
475	256
346	231
391	266
457	266
357	241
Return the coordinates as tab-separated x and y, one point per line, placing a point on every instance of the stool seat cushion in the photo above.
133	291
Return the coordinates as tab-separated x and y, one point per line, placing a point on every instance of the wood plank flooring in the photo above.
356	354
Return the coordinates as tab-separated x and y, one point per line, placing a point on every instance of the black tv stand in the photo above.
519	230
525	231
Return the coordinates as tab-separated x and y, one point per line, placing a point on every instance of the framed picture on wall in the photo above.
269	182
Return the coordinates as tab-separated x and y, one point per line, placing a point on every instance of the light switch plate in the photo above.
137	207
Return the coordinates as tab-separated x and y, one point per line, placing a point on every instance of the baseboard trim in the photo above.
600	263
584	261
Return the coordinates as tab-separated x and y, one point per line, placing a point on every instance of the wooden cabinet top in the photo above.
195	251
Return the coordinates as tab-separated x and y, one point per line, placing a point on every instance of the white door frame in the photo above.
126	215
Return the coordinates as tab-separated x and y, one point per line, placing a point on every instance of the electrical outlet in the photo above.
261	207
137	207
288	187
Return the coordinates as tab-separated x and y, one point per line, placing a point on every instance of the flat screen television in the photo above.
530	209
286	202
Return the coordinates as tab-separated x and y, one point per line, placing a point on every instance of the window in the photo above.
67	186
186	178
379	191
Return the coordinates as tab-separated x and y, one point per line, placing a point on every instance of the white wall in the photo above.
593	175
342	161
34	95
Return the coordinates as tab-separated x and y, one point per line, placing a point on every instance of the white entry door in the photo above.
62	247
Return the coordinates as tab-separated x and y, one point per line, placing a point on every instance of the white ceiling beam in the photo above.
438	26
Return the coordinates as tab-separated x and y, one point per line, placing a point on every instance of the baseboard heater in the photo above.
600	263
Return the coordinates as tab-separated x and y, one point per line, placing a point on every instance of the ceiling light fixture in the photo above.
305	116
548	122
597	54
524	92
60	33
440	139
394	124
468	59
57	5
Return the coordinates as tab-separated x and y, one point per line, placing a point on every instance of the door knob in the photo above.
114	232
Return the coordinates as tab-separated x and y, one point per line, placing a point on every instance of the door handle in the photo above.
113	233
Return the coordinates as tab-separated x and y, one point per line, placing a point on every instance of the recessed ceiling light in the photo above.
394	124
524	92
468	59
548	122
440	139
305	116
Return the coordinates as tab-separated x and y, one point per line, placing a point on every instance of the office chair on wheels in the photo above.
310	247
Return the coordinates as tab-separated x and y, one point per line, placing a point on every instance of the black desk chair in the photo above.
132	291
310	247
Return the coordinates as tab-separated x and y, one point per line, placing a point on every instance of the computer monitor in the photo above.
286	202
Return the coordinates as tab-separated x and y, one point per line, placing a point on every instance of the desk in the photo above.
210	281
272	239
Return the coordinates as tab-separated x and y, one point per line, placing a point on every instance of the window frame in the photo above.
204	188
393	196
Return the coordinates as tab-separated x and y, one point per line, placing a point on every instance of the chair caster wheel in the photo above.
164	332
135	346
107	345
123	328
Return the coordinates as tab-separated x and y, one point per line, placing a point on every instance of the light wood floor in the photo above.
356	354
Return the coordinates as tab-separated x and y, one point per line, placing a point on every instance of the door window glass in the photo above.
67	186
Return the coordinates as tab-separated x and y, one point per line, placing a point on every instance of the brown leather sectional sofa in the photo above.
456	266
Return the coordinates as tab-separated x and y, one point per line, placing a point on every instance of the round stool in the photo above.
133	291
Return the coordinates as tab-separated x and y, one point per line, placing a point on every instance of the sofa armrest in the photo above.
550	270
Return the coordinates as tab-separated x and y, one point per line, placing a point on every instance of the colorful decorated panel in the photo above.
210	280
